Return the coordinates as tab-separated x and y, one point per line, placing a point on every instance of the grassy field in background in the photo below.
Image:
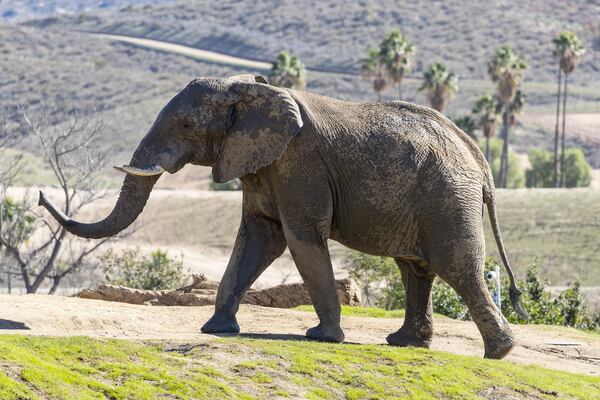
556	229
84	368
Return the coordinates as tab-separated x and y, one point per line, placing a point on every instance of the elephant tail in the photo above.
514	292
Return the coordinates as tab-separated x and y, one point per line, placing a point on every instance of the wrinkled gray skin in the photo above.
391	179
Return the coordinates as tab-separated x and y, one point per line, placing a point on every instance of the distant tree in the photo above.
506	70
516	176
397	53
440	84
373	69
72	152
486	110
568	50
287	71
540	172
516	107
576	169
467	124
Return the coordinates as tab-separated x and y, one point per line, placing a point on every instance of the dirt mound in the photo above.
203	292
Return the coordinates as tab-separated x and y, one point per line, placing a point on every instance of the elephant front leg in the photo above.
417	329
259	242
312	259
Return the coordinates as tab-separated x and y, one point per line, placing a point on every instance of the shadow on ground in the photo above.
8	324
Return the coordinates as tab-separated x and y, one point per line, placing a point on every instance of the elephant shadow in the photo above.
272	336
8	324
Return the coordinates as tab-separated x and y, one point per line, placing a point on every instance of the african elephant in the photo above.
391	179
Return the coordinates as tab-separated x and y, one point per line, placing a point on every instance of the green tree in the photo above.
467	124
516	107
397	53
506	70
540	173
133	269
568	49
576	170
287	71
440	84
486	111
373	69
515	178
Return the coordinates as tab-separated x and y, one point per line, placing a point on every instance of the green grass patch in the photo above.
357	311
86	368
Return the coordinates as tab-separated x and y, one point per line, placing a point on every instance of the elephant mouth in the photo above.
150	171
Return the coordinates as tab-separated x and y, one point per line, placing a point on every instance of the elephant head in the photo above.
236	125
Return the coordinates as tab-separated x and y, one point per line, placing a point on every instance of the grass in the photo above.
85	368
357	311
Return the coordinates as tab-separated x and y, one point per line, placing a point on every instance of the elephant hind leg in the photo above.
417	329
464	272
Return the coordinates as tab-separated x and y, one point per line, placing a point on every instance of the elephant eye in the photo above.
186	125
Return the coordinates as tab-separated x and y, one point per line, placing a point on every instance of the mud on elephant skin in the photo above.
391	179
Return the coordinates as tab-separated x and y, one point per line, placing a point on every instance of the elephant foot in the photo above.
332	333
402	339
499	347
220	323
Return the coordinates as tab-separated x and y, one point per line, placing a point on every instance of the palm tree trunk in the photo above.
487	150
399	91
562	140
504	159
556	130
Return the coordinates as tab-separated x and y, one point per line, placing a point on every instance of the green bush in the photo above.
516	178
540	172
379	278
381	282
132	269
446	302
577	169
17	223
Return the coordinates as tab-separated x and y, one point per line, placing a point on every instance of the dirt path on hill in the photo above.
64	316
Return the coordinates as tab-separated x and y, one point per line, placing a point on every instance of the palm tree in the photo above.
568	50
397	53
506	69
516	107
373	69
486	111
441	84
287	71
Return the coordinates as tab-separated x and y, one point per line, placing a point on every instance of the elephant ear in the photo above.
265	119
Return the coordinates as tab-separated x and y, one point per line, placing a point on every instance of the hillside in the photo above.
125	86
462	33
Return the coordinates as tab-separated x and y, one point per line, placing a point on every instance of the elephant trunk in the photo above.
132	199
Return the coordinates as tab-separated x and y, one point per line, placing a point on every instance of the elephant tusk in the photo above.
151	171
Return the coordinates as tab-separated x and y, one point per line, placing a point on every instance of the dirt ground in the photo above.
551	347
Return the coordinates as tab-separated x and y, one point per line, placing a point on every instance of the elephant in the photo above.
390	179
